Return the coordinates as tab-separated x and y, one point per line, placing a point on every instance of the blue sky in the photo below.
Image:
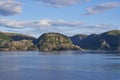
69	17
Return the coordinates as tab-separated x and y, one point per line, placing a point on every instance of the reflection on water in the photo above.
62	65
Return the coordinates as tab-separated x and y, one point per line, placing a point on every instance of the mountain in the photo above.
105	41
55	41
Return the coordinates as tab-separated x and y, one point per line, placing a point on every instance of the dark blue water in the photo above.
66	65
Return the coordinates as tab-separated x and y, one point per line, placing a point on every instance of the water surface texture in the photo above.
63	65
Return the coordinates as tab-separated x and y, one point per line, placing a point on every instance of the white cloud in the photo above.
61	3
103	26
9	7
11	23
102	7
40	23
66	23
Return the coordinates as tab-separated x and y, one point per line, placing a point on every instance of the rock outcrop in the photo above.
23	45
55	41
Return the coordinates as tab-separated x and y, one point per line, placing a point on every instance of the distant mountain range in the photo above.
56	42
105	41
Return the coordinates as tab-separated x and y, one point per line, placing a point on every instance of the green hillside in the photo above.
17	37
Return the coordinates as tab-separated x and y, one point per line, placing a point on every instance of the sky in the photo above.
69	17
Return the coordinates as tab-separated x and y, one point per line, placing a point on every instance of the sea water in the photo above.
60	65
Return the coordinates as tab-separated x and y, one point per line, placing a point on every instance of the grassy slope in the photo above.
4	37
18	37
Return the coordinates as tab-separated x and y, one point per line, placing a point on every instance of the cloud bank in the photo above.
47	23
9	7
39	23
102	7
36	28
61	3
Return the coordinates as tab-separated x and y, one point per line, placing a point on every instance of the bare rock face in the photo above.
23	45
104	46
55	42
